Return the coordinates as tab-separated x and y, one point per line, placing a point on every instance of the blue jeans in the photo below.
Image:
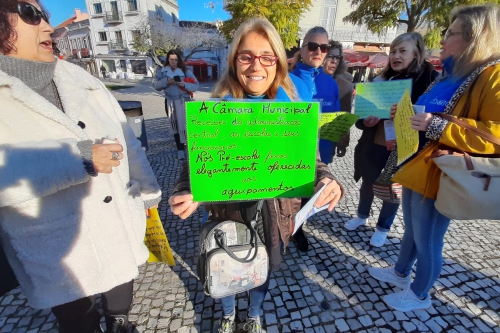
327	150
257	296
423	241
387	213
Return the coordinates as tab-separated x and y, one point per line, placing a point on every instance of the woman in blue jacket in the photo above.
312	83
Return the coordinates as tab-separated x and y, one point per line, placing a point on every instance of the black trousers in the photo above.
82	316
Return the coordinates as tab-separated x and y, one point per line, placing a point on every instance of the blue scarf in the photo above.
440	95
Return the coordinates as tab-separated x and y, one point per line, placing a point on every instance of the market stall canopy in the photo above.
378	61
435	61
196	62
354	58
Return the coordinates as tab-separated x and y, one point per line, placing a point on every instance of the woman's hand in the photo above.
394	109
181	84
147	211
370	121
330	195
170	81
182	204
421	121
102	156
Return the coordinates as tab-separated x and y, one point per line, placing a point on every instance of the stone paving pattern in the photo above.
326	290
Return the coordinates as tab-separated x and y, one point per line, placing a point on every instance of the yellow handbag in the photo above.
156	240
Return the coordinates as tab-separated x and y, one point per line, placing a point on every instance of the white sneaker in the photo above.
378	238
181	155
354	223
389	275
406	300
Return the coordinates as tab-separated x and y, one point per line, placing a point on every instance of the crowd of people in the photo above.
75	182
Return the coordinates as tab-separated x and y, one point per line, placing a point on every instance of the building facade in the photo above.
329	14
73	39
114	27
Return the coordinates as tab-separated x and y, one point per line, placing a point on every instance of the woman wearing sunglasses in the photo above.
72	219
315	84
335	66
312	83
257	70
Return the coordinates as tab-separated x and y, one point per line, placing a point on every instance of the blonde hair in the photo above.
228	83
418	50
480	29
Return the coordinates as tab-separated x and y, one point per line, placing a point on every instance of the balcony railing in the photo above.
113	17
117	45
78	25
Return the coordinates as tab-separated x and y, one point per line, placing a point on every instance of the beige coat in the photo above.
68	235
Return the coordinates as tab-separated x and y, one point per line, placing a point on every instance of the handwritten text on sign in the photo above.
376	98
406	137
242	150
335	125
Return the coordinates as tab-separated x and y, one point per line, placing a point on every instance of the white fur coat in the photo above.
63	236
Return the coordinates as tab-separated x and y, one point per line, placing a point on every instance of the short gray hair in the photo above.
316	30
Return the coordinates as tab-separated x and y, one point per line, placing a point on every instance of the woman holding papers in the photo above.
406	61
469	90
257	69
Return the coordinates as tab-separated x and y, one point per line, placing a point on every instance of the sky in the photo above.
190	10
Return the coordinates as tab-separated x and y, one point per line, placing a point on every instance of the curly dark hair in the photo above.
7	32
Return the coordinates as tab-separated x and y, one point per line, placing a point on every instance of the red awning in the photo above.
435	61
355	57
196	62
378	61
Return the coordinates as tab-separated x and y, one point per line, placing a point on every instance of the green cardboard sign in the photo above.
333	126
376	98
242	150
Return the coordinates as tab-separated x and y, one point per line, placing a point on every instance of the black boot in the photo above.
301	240
119	324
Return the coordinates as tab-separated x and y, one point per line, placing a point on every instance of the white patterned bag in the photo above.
232	257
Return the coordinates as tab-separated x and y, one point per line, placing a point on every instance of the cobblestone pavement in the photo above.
326	290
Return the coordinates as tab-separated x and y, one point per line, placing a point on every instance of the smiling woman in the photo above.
53	196
257	70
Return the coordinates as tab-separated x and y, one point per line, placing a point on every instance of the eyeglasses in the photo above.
448	33
314	46
333	58
30	14
265	60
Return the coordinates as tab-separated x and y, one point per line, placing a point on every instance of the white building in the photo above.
329	14
114	23
73	41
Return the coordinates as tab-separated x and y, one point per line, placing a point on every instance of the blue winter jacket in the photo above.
313	83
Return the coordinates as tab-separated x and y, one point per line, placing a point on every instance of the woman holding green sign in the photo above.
257	69
406	61
468	92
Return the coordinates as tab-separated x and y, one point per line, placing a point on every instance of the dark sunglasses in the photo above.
30	14
311	46
334	57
